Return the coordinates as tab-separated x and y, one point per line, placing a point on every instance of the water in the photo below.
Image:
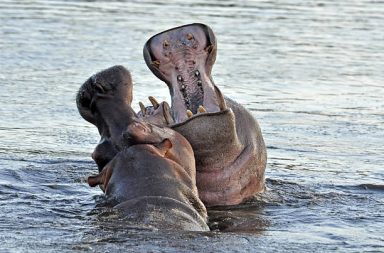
311	72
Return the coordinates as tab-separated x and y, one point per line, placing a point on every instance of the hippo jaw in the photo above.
113	84
183	57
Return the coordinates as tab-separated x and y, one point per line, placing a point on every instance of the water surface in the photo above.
311	72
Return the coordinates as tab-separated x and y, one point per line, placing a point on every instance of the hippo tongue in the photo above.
183	57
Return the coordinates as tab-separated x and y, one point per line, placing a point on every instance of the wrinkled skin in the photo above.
105	101
148	171
229	148
153	180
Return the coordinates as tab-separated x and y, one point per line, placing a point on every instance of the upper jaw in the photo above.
160	47
183	58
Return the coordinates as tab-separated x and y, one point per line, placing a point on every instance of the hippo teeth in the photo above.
154	102
189	114
201	109
142	108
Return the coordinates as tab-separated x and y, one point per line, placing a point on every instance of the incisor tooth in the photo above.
157	63
201	109
189	113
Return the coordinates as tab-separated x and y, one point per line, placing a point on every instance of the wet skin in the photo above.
105	101
152	180
229	148
148	171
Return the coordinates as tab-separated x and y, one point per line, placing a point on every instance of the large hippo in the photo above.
229	148
152	180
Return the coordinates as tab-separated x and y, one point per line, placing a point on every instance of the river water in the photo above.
311	72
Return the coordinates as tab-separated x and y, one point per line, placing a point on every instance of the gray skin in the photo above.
148	171
229	148
105	101
152	180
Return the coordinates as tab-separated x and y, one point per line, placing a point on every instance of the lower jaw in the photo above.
209	101
179	124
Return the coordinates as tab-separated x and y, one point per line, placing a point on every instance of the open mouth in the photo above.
183	58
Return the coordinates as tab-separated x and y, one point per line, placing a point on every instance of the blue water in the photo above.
311	72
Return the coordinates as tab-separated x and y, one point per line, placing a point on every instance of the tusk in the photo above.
154	102
167	113
142	108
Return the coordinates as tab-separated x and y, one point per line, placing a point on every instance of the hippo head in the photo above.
105	101
183	57
113	84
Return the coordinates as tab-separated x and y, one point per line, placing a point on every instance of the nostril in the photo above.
99	88
165	43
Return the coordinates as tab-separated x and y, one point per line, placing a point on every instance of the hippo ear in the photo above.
102	178
164	146
95	180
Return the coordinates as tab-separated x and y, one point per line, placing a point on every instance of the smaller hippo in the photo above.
152	180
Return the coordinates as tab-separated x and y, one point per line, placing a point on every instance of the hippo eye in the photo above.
165	43
189	36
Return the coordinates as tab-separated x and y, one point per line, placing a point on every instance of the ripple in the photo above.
310	72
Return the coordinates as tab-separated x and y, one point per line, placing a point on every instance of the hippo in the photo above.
152	179
105	101
227	141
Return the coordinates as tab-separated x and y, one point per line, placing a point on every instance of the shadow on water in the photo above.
245	218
